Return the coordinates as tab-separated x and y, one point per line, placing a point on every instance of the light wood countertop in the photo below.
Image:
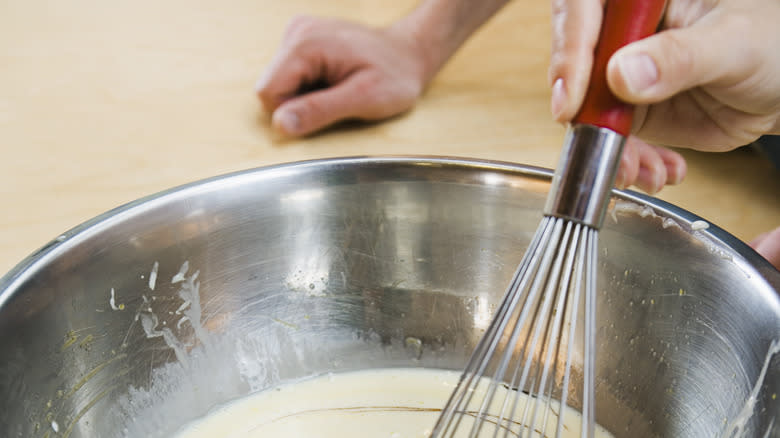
105	102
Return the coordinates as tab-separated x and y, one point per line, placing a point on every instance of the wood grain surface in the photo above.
105	102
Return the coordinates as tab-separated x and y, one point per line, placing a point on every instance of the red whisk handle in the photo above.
625	21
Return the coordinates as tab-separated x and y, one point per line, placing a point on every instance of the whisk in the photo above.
542	340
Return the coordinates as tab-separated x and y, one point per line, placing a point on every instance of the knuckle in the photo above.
564	38
298	21
310	109
564	63
267	100
681	54
576	23
378	100
367	85
264	95
300	25
560	58
559	10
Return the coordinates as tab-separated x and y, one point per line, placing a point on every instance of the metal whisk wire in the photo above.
547	320
531	335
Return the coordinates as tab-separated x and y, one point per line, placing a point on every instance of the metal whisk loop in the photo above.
546	281
589	366
543	392
538	329
532	343
448	422
530	296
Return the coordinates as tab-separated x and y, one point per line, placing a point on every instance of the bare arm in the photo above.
440	27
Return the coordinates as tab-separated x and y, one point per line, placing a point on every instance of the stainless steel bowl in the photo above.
146	317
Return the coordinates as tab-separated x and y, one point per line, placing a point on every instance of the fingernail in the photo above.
639	71
287	121
558	98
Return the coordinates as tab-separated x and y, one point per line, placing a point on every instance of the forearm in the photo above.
440	27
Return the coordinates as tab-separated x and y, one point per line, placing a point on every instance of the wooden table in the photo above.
104	102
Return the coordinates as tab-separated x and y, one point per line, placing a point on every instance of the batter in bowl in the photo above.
385	403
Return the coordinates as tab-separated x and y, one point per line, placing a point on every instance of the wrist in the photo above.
417	30
437	28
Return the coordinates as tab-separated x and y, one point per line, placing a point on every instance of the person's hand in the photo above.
768	245
328	70
709	80
356	72
649	167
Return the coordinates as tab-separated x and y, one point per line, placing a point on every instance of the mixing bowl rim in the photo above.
25	268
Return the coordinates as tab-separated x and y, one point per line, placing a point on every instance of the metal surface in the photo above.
548	310
336	265
585	175
542	304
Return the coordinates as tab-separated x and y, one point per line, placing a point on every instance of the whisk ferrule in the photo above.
583	180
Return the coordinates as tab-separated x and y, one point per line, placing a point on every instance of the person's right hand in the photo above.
709	80
358	72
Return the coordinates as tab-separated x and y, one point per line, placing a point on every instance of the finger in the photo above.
664	64
652	169
640	165
628	169
290	68
313	111
576	26
676	167
281	79
768	245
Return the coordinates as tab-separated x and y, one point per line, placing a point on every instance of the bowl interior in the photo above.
149	316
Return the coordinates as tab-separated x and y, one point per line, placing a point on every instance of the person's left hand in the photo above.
355	71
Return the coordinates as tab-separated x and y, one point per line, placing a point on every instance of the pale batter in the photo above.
388	403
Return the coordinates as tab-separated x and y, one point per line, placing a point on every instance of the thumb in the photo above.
313	111
658	67
283	77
